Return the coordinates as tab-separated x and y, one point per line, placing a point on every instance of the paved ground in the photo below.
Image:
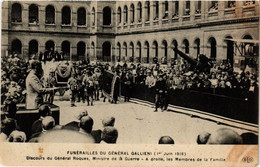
139	124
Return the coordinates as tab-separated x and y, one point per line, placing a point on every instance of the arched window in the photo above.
16	13
66	15
49	45
139	11
165	51
106	51
132	13
65	47
139	52
155	49
166	9
82	16
175	45
93	13
50	15
119	15
147	51
33	47
156	9
119	51
213	48
131	49
197	46
125	15
175	8
81	48
107	16
186	46
16	46
125	50
147	11
33	14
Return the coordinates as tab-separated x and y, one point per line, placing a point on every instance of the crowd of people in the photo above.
46	123
44	129
87	82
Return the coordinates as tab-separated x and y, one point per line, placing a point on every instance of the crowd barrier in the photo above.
237	108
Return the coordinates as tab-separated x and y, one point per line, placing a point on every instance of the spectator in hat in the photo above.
166	140
109	135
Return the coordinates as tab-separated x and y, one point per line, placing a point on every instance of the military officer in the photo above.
72	84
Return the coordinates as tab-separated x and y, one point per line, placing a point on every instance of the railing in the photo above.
235	106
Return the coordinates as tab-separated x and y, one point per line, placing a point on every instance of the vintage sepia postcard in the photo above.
129	83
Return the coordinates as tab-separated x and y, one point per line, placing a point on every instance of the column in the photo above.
239	8
221	9
170	9
143	12
42	17
203	9
181	3
160	13
192	10
25	15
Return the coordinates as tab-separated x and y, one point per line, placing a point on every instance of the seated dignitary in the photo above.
109	135
203	138
48	123
17	136
224	136
108	121
7	126
44	110
166	140
74	125
86	125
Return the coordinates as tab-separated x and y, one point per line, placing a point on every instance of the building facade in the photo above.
134	31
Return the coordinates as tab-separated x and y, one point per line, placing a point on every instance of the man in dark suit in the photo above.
44	110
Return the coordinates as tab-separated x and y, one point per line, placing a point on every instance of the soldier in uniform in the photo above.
88	83
72	84
160	93
51	82
96	79
80	93
127	81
